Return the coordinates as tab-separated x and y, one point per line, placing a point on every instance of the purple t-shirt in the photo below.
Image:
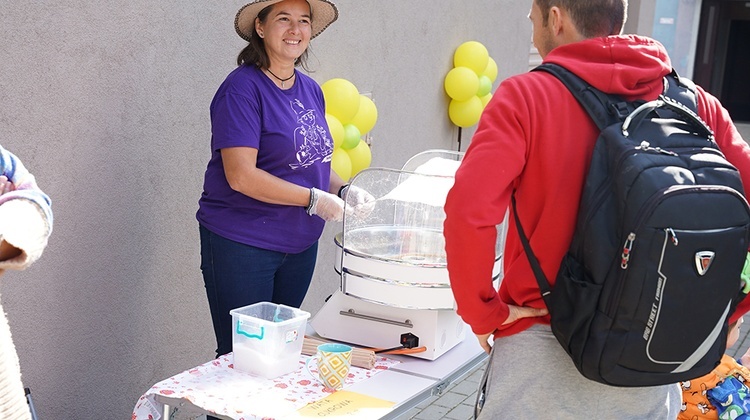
289	129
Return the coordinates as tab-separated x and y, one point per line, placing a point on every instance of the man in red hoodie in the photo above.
535	138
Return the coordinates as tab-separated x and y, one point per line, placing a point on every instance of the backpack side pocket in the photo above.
574	304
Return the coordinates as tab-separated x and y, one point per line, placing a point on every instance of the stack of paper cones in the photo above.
360	357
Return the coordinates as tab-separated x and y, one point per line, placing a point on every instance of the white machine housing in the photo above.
391	259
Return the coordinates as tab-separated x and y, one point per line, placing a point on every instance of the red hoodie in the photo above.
536	138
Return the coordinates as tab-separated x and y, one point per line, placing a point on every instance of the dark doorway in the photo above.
722	59
736	87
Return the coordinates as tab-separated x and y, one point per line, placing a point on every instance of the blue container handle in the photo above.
259	337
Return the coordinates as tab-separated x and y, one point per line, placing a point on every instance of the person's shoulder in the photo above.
539	75
243	80
243	74
531	86
307	80
530	79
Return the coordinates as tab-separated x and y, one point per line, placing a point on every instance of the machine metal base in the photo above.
365	324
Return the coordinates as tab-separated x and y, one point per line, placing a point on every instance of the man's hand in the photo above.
484	341
516	313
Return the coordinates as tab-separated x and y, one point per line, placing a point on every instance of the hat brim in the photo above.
323	12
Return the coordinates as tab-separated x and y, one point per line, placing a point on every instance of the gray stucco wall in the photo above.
107	103
744	130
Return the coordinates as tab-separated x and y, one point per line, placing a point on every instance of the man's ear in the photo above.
555	19
562	26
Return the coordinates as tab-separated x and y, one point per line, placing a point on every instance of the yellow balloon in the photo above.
366	116
485	86
465	113
342	99
491	70
336	129
352	137
341	164
461	83
485	99
360	157
471	54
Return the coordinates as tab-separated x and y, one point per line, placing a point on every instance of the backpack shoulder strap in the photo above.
682	90
536	268
603	108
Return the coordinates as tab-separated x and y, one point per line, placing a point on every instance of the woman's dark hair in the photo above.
593	18
255	52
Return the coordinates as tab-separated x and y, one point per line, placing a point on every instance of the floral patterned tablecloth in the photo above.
217	387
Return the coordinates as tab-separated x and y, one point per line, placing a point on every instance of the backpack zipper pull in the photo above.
671	233
646	147
626	251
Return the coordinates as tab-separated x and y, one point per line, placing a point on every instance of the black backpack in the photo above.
652	275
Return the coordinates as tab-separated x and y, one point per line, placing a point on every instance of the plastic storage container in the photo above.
267	338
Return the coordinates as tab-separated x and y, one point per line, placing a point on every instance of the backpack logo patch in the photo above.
703	260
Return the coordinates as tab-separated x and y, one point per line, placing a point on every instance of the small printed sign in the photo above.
346	404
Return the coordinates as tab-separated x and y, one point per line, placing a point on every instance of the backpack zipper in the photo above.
625	256
644	146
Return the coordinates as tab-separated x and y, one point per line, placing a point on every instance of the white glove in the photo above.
325	205
360	201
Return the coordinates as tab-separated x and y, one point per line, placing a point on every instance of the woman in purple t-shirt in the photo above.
269	187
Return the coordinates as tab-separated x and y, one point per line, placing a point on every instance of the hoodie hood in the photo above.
627	65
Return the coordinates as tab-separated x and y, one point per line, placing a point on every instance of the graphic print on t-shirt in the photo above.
310	139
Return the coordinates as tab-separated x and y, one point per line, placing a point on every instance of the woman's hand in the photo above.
326	206
6	185
360	202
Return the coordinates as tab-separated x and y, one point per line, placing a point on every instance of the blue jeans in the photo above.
238	275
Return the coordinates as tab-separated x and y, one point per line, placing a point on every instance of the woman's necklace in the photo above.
279	78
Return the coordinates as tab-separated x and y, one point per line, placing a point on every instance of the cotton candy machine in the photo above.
391	259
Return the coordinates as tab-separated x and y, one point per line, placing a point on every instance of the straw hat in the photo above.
324	13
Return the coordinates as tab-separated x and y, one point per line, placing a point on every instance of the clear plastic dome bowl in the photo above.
392	251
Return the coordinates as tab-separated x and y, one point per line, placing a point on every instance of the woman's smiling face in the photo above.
286	31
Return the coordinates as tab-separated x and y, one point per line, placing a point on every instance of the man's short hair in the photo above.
592	18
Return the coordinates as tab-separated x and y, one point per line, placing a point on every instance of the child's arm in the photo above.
7	251
745	359
25	214
6	185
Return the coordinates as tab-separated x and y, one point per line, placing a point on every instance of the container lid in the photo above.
270	313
